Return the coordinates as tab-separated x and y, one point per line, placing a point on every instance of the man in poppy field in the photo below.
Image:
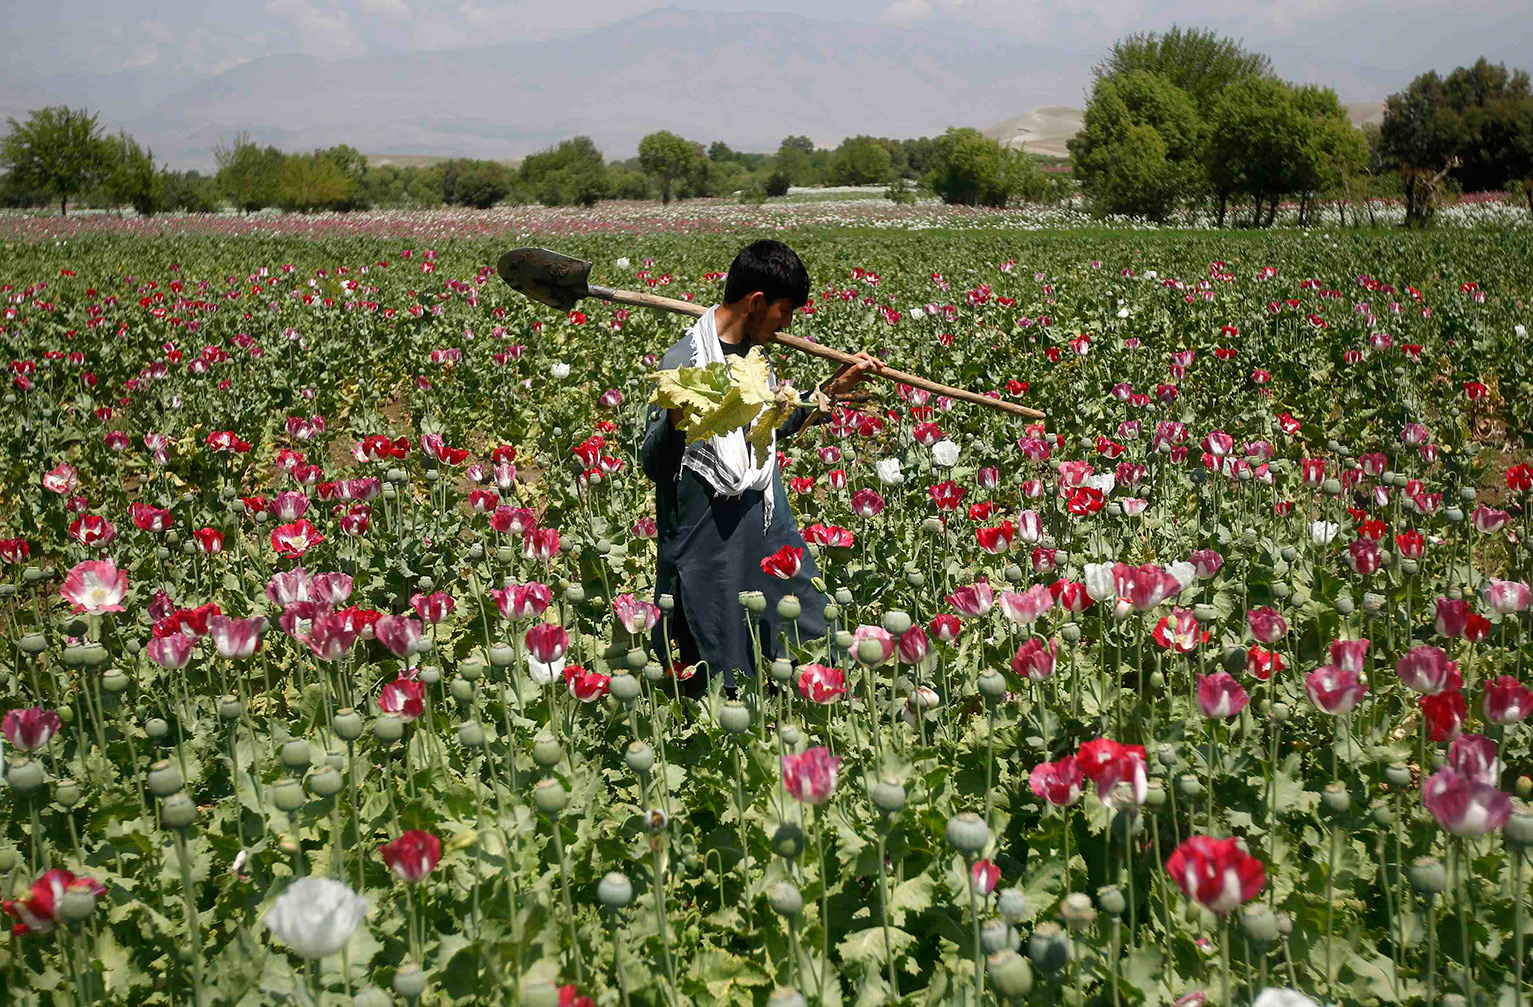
723	522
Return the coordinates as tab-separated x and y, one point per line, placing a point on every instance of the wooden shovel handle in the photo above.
644	300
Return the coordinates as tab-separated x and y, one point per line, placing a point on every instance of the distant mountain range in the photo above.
746	79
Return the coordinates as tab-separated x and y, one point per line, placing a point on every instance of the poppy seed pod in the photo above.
388	728
1013	574
1335	798
288	795
887	796
1155	795
1518	830
788	841
1523	786
1280	590
410	981
229	707
1009	973
178	811
550	797
575	594
74	655
753	601
785	898
164	778
870	652
1011	904
786	996
1381	814
1427	875
788	607
9	858
997	935
67	793
1070	632
1188	785
371	996
1345	605
781	670
843	596
546	750
1110	898
156	728
1398	774
967	833
639	757
897	622
1259	923
915	578
1049	947
25	775
1454	515
735	717
1166	756
844	639
472	667
1077	911
471	734
614	890
33	644
635	659
1205	613
992	685
501	656
326	781
1281	712
667	603
790	735
114	681
461	689
505	554
294	754
624	687
78	903
1331	487
832	613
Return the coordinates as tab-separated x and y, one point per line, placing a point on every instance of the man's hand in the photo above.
849	376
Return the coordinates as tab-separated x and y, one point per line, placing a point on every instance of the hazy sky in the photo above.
1353	45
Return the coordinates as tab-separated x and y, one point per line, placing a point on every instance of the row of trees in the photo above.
1187	118
60	154
1190	120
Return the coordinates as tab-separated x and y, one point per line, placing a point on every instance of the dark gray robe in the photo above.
711	548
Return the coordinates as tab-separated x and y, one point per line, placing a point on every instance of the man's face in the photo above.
766	317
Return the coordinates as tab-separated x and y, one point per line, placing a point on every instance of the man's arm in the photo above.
660	454
846	378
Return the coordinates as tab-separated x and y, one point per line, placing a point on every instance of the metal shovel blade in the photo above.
558	281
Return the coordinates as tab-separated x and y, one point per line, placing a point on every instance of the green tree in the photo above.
718	150
570	174
794	160
476	183
1197	60
308	182
189	191
969	169
1420	137
667	157
57	150
1489	100
861	160
130	176
352	164
248	174
1120	170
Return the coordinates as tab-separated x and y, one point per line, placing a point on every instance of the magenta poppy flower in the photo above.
95	587
821	683
413	855
810	776
1216	873
1462	806
30	729
1220	697
1059	783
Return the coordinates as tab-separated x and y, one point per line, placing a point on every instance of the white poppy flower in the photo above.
316	916
945	453
889	472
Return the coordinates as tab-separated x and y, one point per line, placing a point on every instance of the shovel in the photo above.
560	281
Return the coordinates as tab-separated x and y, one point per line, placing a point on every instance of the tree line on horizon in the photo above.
1188	120
1181	121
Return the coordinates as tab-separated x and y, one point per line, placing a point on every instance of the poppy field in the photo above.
327	588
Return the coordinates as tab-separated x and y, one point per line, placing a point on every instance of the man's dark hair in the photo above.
770	267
